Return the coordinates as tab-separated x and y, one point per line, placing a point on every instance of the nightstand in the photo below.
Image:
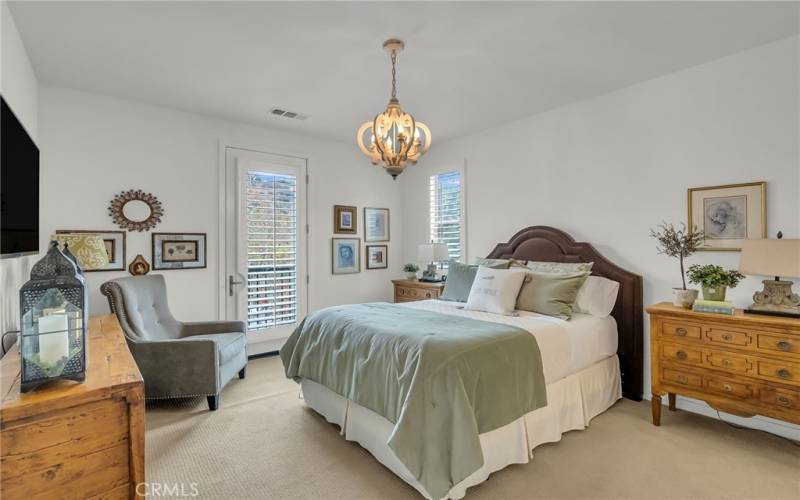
411	290
744	364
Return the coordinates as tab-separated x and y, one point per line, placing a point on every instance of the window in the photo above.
446	223
271	250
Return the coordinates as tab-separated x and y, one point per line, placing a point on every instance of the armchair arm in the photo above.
179	367
211	327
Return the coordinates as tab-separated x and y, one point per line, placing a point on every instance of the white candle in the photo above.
53	346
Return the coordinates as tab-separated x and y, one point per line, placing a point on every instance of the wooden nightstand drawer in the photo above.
682	378
728	361
778	343
680	330
411	290
728	337
682	354
779	371
781	398
729	387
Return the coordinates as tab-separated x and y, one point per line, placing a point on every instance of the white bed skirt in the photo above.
571	403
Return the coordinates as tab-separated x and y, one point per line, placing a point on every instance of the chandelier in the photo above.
394	137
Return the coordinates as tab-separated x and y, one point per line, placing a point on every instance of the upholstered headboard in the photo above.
549	244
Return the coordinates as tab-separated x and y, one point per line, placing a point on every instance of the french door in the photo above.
265	247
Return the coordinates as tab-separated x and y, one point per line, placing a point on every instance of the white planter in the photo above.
683	298
411	276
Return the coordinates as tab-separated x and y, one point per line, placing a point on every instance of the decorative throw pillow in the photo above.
597	296
559	267
495	290
459	282
552	294
493	263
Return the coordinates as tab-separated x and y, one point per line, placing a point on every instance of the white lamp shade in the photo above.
767	257
432	252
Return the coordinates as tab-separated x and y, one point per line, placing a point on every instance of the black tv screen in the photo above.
19	187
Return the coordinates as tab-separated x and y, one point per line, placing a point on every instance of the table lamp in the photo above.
778	258
432	253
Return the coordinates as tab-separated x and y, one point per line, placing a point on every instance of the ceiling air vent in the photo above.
287	114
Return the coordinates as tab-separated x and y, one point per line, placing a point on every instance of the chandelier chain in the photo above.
394	75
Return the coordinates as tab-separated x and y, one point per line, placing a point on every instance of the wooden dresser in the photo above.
411	290
67	440
745	364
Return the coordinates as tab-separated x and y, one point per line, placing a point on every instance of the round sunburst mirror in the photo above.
135	210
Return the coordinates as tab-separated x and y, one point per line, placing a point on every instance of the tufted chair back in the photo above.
140	303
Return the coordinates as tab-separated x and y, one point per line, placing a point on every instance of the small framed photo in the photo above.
346	255
727	215
377	256
114	242
179	251
345	219
376	224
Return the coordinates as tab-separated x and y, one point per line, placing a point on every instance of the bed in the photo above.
588	363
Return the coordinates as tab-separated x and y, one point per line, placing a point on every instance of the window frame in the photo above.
461	169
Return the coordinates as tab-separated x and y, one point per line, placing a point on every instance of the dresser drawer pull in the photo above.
680	332
727	337
680	355
726	363
727	387
784	401
784	373
683	379
428	294
784	345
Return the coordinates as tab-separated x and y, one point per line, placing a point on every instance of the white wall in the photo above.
19	88
94	146
607	169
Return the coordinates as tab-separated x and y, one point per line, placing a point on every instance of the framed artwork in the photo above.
179	251
376	224
346	255
139	266
345	219
727	215
114	242
377	256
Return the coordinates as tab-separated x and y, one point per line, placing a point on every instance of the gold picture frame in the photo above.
728	214
345	219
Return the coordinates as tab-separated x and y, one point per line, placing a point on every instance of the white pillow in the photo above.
495	290
597	296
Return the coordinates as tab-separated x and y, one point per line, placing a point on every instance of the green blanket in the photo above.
441	379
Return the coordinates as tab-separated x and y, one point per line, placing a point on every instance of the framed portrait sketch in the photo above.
179	251
376	224
345	219
114	242
346	255
377	256
727	215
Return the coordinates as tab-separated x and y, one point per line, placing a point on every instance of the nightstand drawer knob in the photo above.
680	332
683	379
784	373
784	401
727	337
680	355
727	387
428	294
784	345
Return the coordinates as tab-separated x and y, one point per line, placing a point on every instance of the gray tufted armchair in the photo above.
176	359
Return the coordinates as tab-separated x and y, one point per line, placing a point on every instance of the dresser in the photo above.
745	364
75	441
411	290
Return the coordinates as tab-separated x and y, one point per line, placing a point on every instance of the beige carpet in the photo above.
264	442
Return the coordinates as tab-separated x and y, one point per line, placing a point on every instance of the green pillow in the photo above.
550	293
559	267
459	281
493	263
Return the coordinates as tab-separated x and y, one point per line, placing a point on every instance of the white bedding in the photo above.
566	347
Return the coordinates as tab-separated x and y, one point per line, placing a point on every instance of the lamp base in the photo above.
776	299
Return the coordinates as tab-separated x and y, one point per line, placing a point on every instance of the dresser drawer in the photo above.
728	387
680	330
780	398
774	343
727	361
779	371
682	378
727	337
406	293
682	354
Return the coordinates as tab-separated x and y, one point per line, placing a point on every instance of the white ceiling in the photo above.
466	67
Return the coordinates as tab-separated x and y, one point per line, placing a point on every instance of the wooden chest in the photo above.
745	364
67	440
411	290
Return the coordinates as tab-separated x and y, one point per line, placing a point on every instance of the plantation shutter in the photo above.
445	212
271	250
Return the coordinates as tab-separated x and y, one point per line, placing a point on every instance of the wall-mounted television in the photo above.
19	187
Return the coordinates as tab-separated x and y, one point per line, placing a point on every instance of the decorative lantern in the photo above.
53	321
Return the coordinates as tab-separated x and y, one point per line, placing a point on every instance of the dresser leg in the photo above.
671	396
656	402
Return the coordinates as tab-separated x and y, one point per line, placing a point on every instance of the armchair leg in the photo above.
242	372
213	402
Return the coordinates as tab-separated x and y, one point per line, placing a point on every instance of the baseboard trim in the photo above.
263	355
758	422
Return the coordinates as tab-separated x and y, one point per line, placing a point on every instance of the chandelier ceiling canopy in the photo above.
394	138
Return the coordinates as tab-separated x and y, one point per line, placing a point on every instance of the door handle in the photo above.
232	282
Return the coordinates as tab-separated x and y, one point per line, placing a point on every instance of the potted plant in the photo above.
678	242
714	280
411	271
